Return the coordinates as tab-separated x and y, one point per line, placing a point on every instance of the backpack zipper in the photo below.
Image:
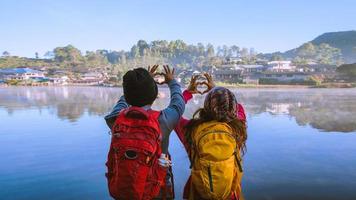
211	132
210	179
208	133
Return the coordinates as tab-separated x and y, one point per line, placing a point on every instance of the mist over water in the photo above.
54	141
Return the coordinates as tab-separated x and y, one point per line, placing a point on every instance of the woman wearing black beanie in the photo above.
141	90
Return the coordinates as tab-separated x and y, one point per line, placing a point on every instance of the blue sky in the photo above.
33	26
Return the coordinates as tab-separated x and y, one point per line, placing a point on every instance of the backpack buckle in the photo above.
115	134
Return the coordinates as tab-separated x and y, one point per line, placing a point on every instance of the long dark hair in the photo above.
207	114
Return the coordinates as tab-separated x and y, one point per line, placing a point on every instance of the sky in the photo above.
29	26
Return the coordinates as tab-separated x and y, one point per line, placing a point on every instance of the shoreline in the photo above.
282	86
233	86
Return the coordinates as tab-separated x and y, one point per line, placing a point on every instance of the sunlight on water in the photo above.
54	141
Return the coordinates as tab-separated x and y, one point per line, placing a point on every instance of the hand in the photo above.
192	88
209	83
168	74
152	70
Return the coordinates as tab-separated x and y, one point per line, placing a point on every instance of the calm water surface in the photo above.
54	142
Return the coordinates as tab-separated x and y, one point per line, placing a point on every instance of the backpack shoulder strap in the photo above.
154	114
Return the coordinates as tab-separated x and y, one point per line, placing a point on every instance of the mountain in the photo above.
343	40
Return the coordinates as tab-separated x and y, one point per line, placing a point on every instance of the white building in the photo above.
21	73
92	76
281	66
59	80
234	60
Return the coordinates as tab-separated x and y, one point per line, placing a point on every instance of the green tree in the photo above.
348	70
276	57
236	50
96	59
300	61
244	53
225	50
5	54
307	51
210	52
143	47
135	51
327	54
49	55
68	54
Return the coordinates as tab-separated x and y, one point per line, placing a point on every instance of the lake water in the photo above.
54	142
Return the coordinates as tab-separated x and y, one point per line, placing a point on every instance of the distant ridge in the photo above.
343	40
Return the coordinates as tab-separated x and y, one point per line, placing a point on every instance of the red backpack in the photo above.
133	169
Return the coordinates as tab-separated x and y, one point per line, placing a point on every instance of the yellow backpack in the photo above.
215	161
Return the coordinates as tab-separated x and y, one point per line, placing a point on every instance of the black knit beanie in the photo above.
139	87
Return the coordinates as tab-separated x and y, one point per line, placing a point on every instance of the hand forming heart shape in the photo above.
200	80
159	78
205	87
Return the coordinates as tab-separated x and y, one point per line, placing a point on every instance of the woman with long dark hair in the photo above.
215	138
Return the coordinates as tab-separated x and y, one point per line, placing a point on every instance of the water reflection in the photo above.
67	102
48	158
330	110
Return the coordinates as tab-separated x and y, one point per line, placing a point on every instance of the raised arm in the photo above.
110	118
179	128
175	109
170	116
187	95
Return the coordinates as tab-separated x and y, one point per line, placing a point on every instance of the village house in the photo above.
234	73
39	68
261	61
21	73
228	75
317	67
90	78
284	77
251	78
185	75
63	80
281	66
233	60
230	67
208	68
252	68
